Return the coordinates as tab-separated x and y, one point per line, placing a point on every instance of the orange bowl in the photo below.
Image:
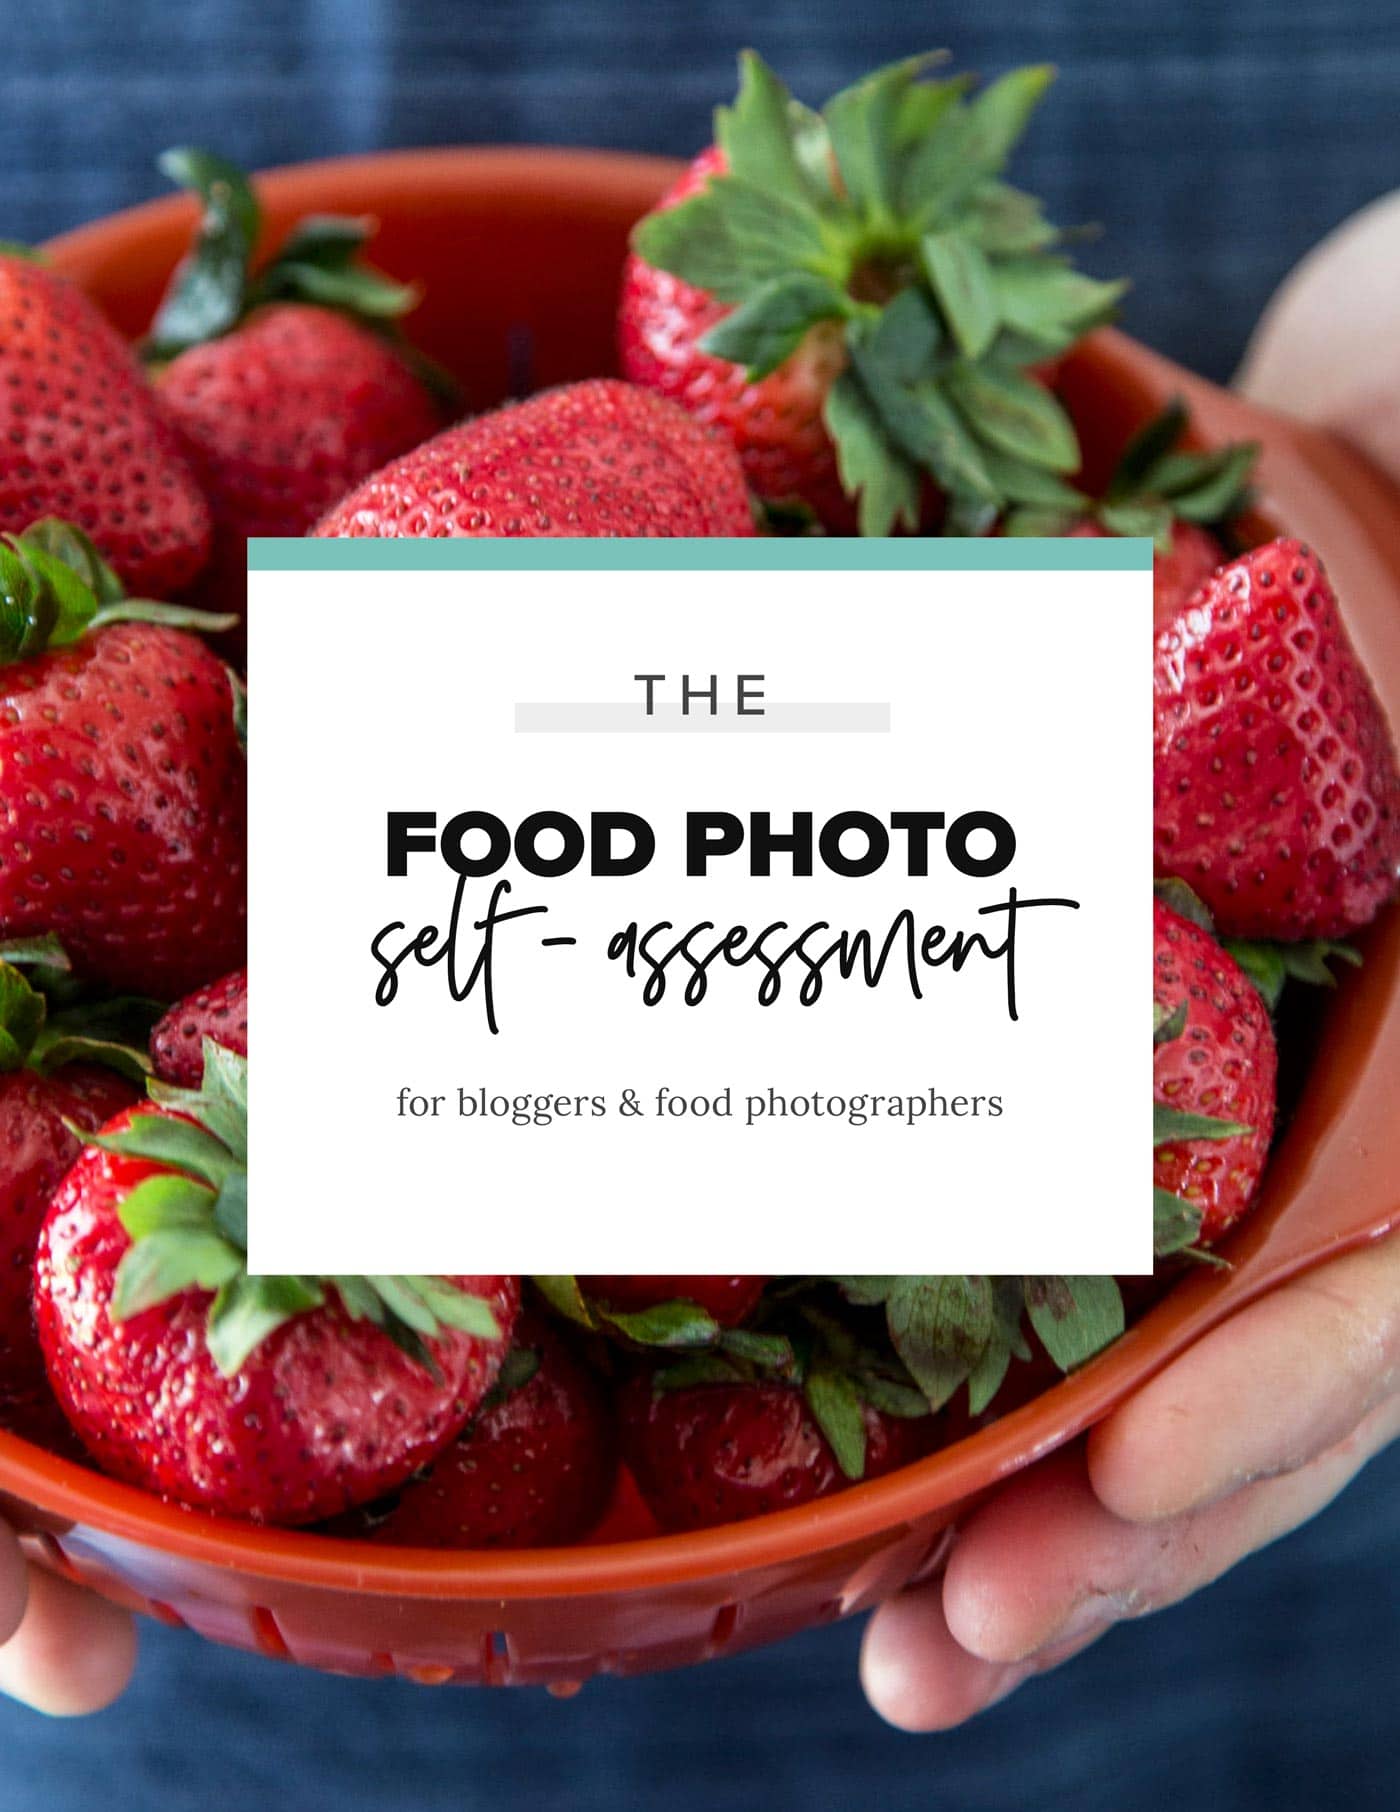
518	255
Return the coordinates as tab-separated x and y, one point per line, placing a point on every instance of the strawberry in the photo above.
534	1470
284	383
712	1453
280	1399
52	1080
219	1011
81	435
1214	1078
728	1301
1276	789
122	816
861	304
594	459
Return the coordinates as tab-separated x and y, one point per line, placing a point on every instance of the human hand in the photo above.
62	1650
1241	1440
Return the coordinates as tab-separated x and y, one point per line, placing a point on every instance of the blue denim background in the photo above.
1216	142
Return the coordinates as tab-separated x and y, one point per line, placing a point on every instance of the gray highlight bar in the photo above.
859	720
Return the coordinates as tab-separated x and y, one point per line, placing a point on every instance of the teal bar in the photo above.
989	554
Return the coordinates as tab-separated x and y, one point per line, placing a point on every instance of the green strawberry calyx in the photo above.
55	588
677	1327
219	283
35	1036
188	1225
884	219
1269	964
1157	482
956	1332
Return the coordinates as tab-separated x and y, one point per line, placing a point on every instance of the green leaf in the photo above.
173	1143
21	1018
44	952
768	328
872	469
231	1209
837	1410
756	134
963	285
168	1262
1272	966
890	1397
167	1202
247	1309
1007	223
1033	485
866	1292
940	1327
1075	1317
1184	902
1167	1027
354	289
1000	114
1209	488
566	1298
731	237
1170	1125
1151	520
1048	298
68	545
1145	451
666	1324
456	1308
1176	1223
770	1352
207	294
865	122
1016	415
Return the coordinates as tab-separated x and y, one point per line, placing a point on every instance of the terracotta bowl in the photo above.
518	253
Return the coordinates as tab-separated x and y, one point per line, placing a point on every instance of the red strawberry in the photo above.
593	459
1214	1075
122	815
51	1079
706	1454
860	303
286	413
82	436
727	1300
219	1011
1276	790
282	1400
534	1470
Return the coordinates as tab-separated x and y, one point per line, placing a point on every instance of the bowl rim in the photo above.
63	1491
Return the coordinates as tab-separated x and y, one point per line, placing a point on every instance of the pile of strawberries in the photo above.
837	322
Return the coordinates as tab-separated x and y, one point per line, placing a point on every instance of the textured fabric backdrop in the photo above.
1215	142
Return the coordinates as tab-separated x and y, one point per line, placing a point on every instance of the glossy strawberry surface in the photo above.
327	1413
219	1011
36	1149
534	1469
1276	790
719	1453
593	459
82	436
123	806
1223	1064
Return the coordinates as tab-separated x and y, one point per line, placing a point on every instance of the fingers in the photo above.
14	1584
1045	1564
71	1653
916	1676
1282	1382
